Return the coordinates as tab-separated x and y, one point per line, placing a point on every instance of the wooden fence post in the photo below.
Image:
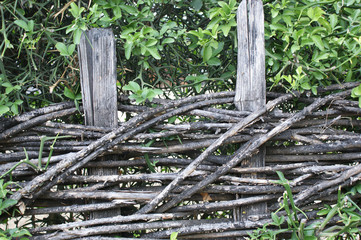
97	60
251	84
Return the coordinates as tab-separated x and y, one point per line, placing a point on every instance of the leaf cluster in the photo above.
183	47
344	216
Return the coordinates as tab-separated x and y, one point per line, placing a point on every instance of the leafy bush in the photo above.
183	47
346	211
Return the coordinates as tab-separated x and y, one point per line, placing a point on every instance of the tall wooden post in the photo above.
251	84
97	60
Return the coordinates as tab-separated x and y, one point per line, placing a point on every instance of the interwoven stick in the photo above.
35	121
247	149
41	183
191	167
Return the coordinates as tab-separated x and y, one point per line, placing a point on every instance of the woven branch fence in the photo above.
150	176
197	180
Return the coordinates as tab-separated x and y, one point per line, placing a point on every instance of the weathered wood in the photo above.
72	162
246	150
191	167
97	60
251	84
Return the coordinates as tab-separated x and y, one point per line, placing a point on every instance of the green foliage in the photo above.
140	95
5	203
9	102
169	45
322	37
345	209
356	93
39	167
173	236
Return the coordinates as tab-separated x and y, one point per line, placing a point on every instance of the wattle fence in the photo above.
212	177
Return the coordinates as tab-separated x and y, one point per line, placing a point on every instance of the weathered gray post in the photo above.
98	77
251	83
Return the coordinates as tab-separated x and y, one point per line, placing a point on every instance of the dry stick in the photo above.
35	121
214	116
111	220
37	112
343	157
110	195
204	228
195	126
221	227
191	167
249	148
326	194
317	148
72	132
223	205
77	126
178	148
114	228
37	182
75	208
41	183
307	193
218	235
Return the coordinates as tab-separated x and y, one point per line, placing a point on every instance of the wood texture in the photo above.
251	84
98	76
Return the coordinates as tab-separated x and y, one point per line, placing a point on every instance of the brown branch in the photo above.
191	167
251	147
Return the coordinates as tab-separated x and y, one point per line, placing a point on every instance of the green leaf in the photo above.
151	42
8	203
76	36
4	109
14	109
172	120
168	40
129	9
62	49
158	91
197	4
20	233
326	24
117	12
31	25
306	86
207	53
356	92
22	24
214	61
154	52
225	29
69	93
318	42
315	13
333	21
314	90
7	85
132	86
278	27
71	49
198	87
276	219
138	99
128	46
75	10
173	236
